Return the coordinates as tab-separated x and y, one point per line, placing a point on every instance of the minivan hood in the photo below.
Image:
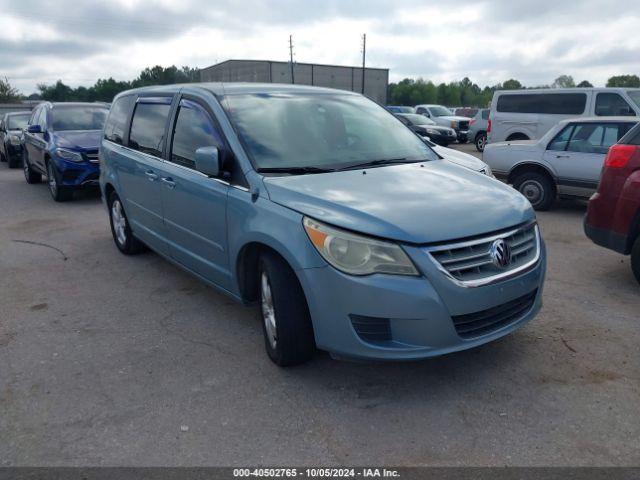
407	203
460	158
78	139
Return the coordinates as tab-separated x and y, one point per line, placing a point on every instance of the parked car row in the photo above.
353	233
11	135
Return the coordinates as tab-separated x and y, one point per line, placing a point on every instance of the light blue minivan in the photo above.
347	229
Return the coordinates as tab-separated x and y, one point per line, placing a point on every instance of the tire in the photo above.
480	141
58	192
3	158
286	322
635	259
123	237
29	175
13	161
537	188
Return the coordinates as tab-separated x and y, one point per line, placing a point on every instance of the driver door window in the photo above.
193	129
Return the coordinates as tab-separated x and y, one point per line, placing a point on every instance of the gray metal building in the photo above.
376	80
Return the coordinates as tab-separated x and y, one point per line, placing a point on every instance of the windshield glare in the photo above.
78	118
320	130
439	111
18	122
635	96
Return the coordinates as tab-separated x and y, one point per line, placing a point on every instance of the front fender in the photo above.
262	221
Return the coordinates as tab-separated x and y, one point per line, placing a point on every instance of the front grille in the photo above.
486	321
472	263
371	329
463	125
92	156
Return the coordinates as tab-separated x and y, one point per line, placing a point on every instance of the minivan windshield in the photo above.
78	118
18	122
311	132
438	111
635	96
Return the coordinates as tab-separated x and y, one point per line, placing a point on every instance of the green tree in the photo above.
563	81
7	92
627	81
585	84
511	84
56	93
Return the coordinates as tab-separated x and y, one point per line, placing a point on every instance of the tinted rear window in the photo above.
550	103
147	127
117	121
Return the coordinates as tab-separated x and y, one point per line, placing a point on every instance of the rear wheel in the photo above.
635	259
122	234
29	175
58	192
537	188
481	141
286	323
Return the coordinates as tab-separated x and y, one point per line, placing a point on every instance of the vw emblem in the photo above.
500	253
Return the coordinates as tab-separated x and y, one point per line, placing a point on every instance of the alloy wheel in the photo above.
119	222
51	180
268	310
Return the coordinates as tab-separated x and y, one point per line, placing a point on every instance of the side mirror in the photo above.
34	129
208	161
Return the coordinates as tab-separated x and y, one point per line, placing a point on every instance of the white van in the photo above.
529	114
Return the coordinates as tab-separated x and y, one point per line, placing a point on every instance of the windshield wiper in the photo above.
295	170
377	163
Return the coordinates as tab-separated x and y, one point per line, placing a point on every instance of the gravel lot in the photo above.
114	360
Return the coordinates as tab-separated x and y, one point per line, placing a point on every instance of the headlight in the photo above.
454	125
357	254
69	155
14	139
431	131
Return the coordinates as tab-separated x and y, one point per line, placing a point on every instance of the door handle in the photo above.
151	175
168	181
562	156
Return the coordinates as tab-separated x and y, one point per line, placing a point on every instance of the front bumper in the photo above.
463	135
419	310
77	174
442	138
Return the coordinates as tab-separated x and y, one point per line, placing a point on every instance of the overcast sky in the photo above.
488	41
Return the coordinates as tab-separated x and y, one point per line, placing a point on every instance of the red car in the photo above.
613	215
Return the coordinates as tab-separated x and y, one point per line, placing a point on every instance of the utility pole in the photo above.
364	53
291	57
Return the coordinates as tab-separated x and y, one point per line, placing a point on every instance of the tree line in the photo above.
406	92
466	93
104	89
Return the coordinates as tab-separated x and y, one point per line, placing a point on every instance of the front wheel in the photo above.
286	322
13	161
29	175
120	229
537	188
481	141
635	259
58	192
